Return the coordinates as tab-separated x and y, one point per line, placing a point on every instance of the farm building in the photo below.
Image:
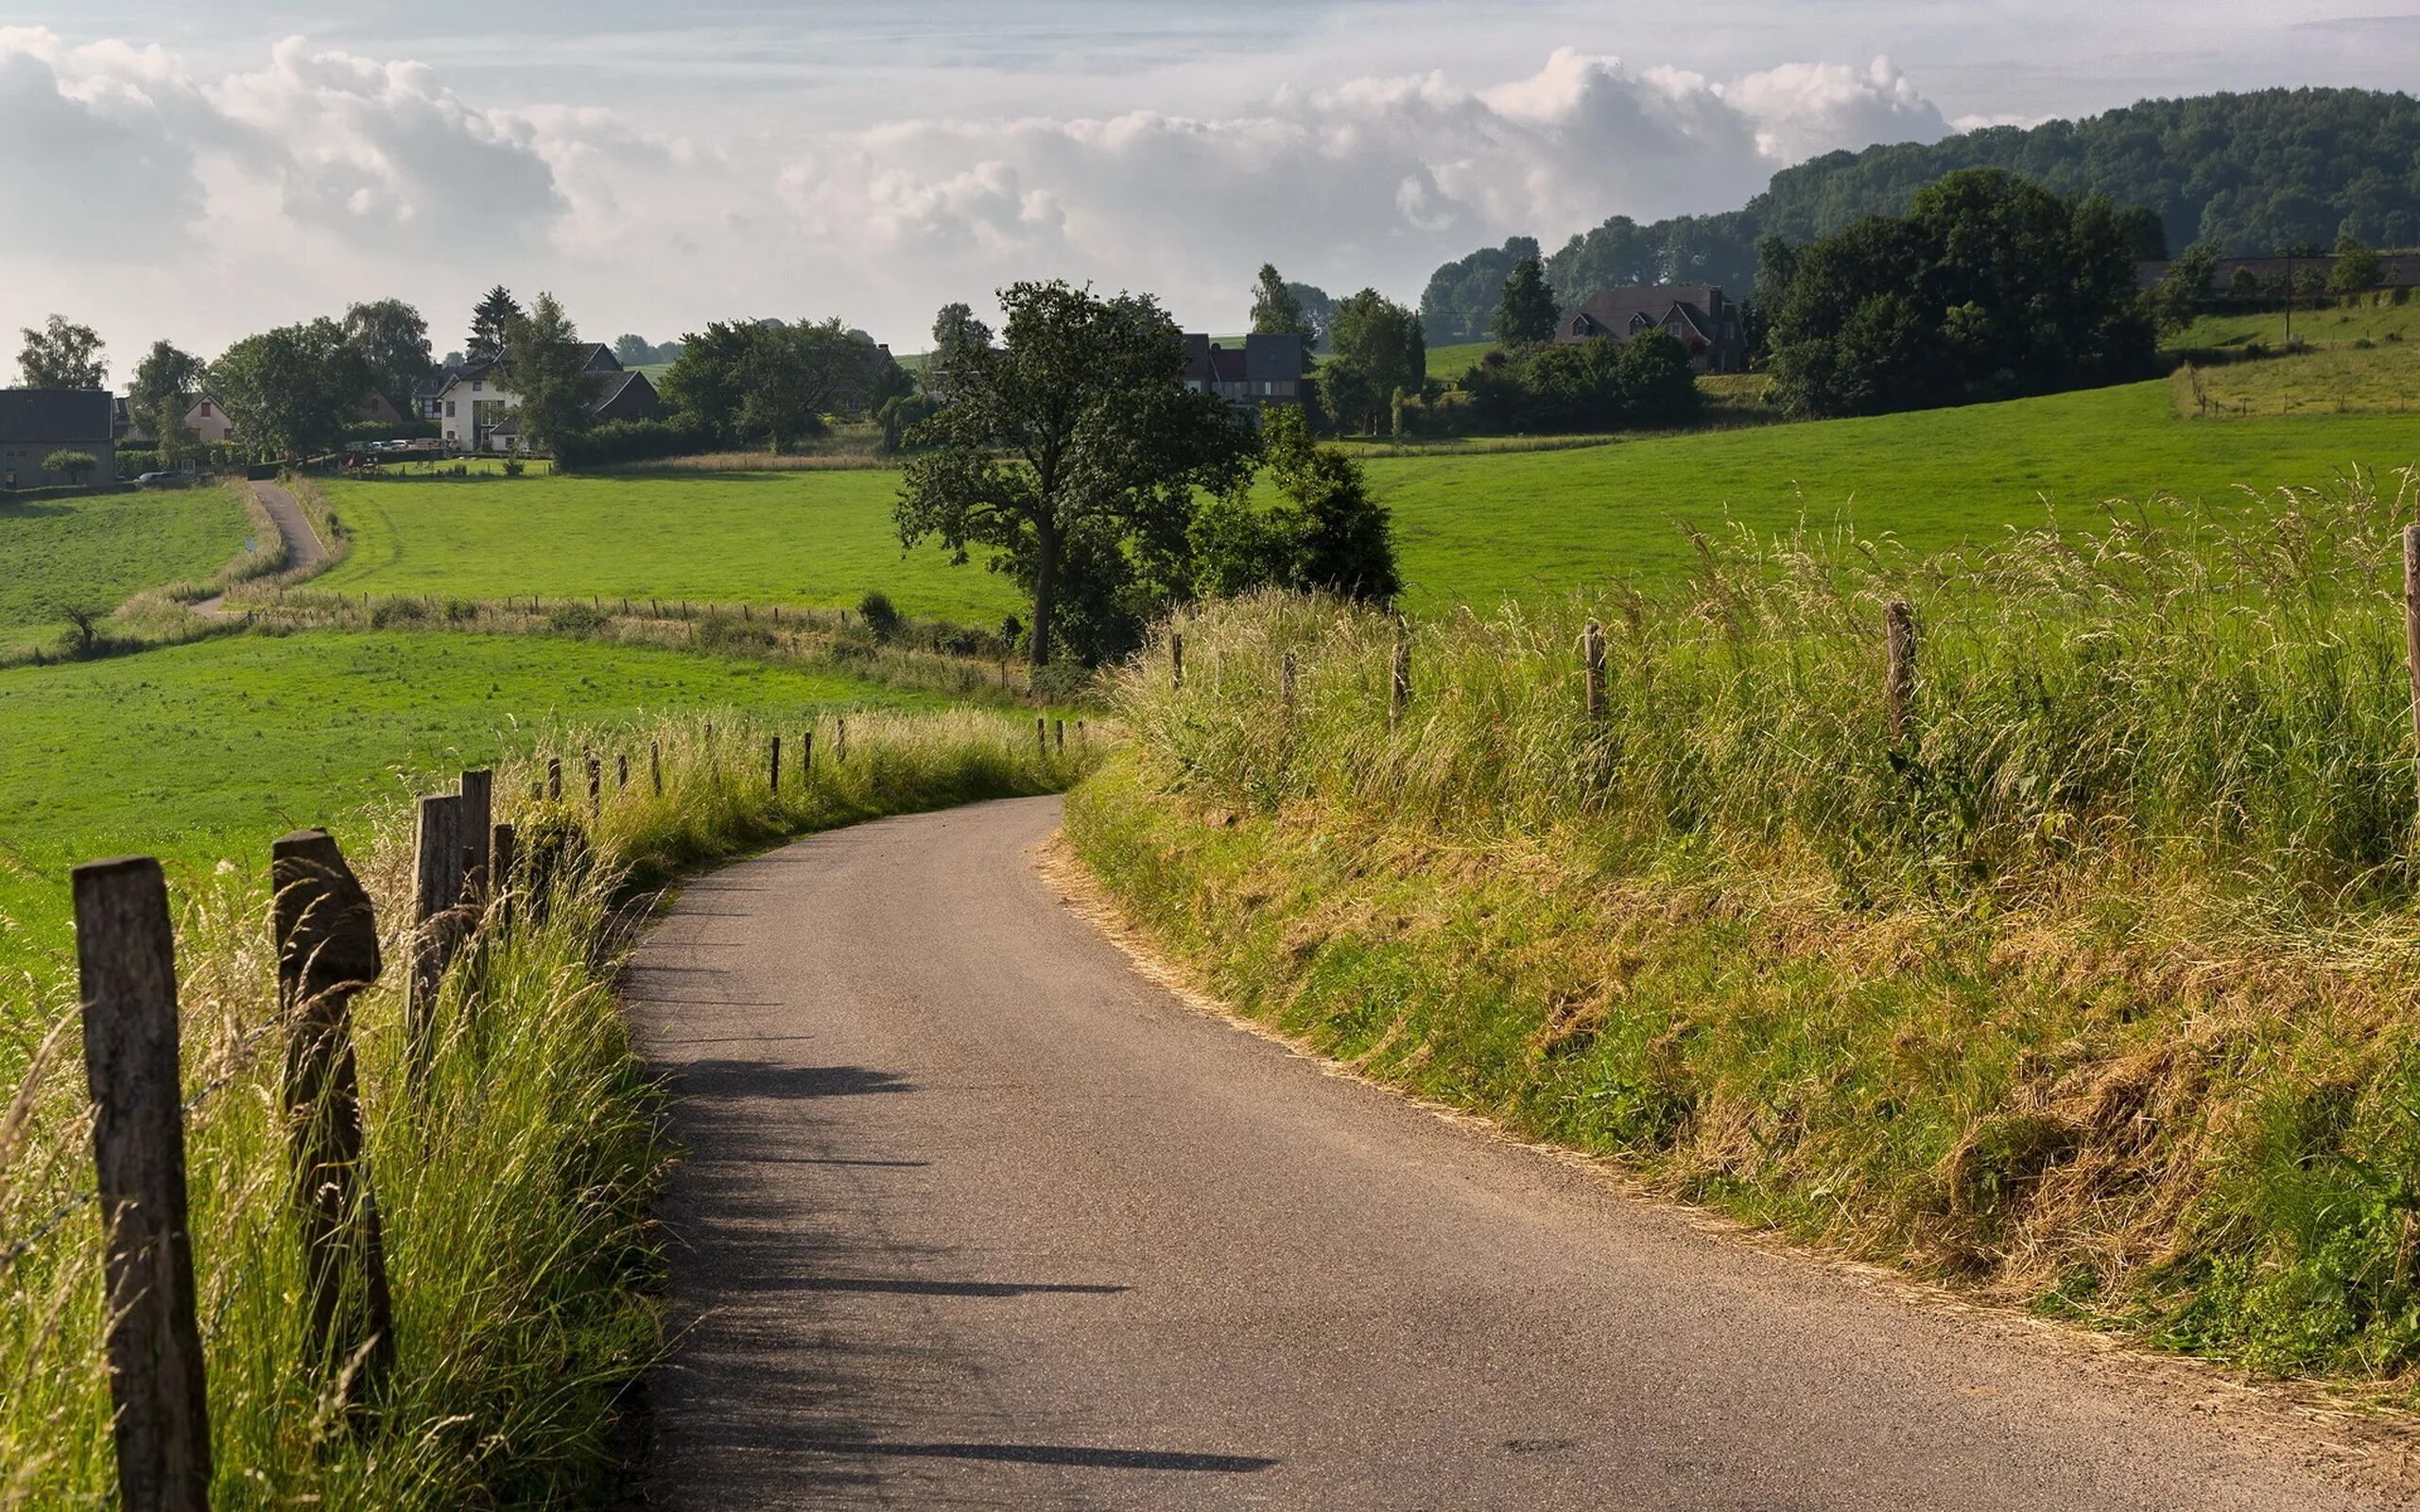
1697	313
34	423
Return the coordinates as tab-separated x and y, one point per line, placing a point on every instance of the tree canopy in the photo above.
1379	351
1073	450
492	325
1277	310
771	383
1461	298
392	340
547	364
62	355
1527	313
1991	287
1324	534
289	391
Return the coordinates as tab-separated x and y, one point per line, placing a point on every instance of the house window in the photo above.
474	386
449	409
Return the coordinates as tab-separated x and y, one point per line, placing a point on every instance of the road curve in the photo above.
973	1214
303	551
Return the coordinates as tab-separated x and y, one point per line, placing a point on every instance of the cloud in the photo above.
101	147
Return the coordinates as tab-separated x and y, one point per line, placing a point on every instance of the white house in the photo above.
473	406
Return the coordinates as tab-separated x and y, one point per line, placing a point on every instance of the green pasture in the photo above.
1473	525
2365	321
211	751
97	550
807	537
2340	379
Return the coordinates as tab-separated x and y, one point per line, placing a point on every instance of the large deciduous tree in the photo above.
1382	353
1073	450
289	391
1526	315
771	383
392	342
1324	534
62	354
492	325
1991	287
546	365
160	395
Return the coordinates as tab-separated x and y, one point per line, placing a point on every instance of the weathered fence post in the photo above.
806	756
554	778
621	771
1899	632
126	953
840	740
1286	681
1176	660
655	764
327	952
1081	743
437	894
1592	656
478	812
596	783
1058	735
1400	696
1041	739
501	840
774	773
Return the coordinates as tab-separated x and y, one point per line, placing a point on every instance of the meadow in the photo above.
2347	379
2338	325
204	753
1473	527
94	551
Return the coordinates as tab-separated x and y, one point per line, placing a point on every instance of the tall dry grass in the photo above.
2097	988
514	1189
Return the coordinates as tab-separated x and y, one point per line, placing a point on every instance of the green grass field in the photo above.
97	550
1473	527
2343	379
211	751
814	538
2373	323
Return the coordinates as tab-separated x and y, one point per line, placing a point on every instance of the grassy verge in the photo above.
94	552
2093	992
514	1189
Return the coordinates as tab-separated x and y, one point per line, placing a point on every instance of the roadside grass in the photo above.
98	550
1473	527
2093	993
203	753
514	1184
822	537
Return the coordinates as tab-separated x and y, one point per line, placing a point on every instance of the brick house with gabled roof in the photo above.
1697	315
1267	369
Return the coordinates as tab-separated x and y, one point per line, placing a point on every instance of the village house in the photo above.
1696	314
34	423
475	408
208	422
1267	369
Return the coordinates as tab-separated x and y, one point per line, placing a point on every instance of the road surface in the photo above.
303	552
975	1216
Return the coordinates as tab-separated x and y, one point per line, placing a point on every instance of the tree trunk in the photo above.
1046	588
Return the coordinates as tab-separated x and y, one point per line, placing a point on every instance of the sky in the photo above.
197	173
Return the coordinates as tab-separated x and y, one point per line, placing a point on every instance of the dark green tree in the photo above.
62	355
392	340
1318	307
1277	310
289	391
166	374
546	366
1073	450
2182	289
2356	266
1384	342
1527	314
492	325
795	375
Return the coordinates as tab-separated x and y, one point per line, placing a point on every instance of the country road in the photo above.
303	552
973	1214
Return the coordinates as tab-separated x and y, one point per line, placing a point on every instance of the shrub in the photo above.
514	467
630	440
134	463
1064	682
880	616
576	619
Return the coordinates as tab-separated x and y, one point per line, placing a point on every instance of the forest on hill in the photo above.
2252	173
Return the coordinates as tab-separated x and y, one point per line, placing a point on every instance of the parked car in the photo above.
157	478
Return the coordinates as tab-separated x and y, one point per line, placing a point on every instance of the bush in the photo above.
880	616
514	467
1642	384
630	440
390	430
134	463
1064	682
576	619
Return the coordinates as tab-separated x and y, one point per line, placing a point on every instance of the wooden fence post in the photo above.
596	783
1176	660
1080	742
1286	681
621	771
840	740
1899	633
478	812
125	955
1399	698
1058	735
1041	739
437	894
806	756
655	764
1592	643
554	778
501	843
774	773
327	952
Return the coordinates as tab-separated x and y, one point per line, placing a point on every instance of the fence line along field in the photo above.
447	1308
204	751
2057	943
1472	528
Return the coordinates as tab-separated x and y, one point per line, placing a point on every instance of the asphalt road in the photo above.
973	1214
303	552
